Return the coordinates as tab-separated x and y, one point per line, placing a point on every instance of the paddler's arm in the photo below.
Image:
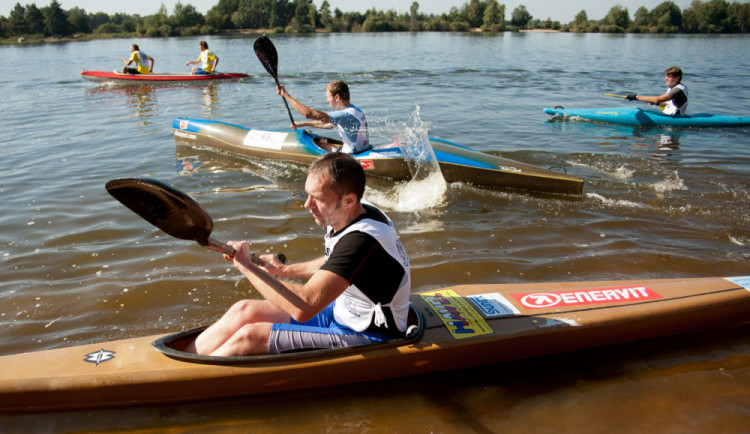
650	99
319	118
301	302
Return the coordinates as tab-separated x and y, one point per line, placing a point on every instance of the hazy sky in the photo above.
555	9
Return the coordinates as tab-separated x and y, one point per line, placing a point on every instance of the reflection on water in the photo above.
143	98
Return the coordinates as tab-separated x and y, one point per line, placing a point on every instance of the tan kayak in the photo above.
456	327
457	163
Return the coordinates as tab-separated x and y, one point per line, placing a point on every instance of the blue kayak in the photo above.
648	117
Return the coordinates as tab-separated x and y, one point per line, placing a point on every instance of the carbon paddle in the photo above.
172	211
267	55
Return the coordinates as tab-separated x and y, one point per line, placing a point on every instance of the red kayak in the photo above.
102	76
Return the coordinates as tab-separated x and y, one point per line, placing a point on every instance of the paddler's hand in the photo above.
242	256
274	264
281	90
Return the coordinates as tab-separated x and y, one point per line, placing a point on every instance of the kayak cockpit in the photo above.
173	346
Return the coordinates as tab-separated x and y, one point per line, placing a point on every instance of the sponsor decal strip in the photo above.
494	304
743	281
546	300
462	320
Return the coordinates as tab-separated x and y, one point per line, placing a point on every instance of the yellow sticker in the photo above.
459	317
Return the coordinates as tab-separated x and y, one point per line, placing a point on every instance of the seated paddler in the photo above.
345	116
356	293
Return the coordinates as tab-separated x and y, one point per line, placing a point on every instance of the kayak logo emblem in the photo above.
183	125
625	294
100	356
367	164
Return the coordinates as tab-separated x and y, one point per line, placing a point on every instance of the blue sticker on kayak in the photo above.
743	281
494	304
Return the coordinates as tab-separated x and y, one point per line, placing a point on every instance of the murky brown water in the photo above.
78	267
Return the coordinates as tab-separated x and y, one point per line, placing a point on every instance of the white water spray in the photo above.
427	188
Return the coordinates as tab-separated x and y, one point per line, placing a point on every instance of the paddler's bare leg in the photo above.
242	330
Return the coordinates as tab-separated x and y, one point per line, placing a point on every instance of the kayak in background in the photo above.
648	117
454	327
457	163
114	76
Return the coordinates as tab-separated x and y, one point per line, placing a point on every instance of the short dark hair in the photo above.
203	45
345	173
674	71
135	47
338	87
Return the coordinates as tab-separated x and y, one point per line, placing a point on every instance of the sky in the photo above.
557	10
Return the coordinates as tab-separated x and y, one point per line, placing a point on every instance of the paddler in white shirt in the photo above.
675	100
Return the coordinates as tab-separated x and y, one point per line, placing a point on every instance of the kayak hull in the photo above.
464	326
114	76
646	117
457	163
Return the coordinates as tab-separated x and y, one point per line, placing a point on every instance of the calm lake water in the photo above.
78	267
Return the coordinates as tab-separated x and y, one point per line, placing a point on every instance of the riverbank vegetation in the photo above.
31	23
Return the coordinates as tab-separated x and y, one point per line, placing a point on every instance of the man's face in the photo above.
671	80
334	100
324	204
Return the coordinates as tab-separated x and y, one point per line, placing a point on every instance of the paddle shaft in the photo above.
220	247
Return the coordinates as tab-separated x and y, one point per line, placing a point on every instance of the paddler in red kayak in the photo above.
144	64
357	293
207	59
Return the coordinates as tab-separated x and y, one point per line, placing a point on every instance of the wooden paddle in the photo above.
267	55
172	211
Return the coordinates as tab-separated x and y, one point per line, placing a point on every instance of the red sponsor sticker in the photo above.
183	125
367	164
546	300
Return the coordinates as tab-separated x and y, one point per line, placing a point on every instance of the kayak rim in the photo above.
171	346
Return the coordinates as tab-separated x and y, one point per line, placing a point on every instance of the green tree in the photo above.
17	20
581	22
55	20
78	21
520	17
186	16
667	17
494	17
617	19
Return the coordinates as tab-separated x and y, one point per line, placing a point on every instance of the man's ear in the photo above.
349	199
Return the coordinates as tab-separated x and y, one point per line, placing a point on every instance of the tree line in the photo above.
302	16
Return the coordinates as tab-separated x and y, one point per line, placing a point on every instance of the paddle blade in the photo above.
267	55
165	207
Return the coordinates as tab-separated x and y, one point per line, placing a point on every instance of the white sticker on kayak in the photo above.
494	304
265	139
743	281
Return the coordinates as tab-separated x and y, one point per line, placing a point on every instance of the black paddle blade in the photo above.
267	55
165	207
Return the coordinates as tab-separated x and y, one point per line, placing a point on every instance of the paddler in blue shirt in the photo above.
349	119
675	100
144	64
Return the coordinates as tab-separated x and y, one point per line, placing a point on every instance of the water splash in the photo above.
427	188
